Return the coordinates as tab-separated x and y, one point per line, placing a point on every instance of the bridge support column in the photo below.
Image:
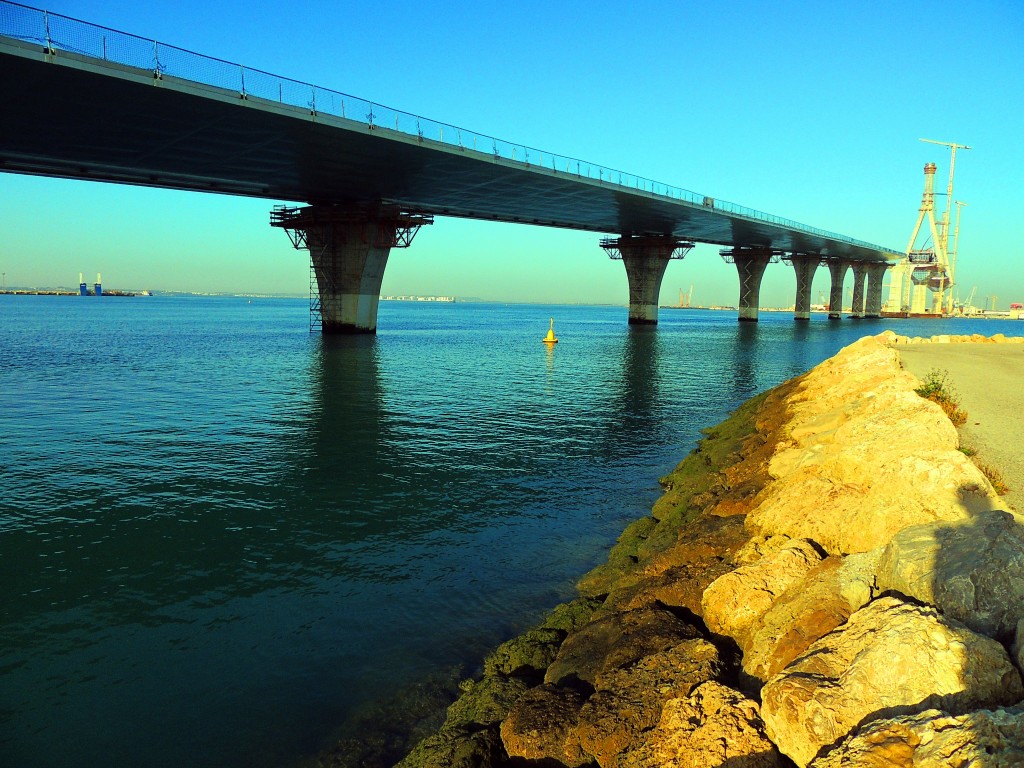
898	274
645	258
873	303
860	273
918	296
837	269
750	265
804	265
348	249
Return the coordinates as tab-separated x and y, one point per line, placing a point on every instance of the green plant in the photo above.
936	388
994	476
967	451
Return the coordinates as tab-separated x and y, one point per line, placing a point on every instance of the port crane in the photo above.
969	304
931	266
685	298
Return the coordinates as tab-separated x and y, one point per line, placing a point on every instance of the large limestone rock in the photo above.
809	610
972	570
629	701
715	727
891	658
542	726
613	641
865	457
735	602
982	739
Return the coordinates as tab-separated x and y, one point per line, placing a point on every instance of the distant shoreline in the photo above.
63	292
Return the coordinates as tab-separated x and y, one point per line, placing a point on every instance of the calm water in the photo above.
219	535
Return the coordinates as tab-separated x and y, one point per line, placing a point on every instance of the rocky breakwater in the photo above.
827	581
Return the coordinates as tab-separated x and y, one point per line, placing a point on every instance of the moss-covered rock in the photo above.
484	702
527	655
621	561
572	615
459	748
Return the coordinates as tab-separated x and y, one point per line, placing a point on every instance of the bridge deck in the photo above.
78	116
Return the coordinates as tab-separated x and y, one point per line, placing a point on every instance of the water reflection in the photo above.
344	431
745	351
640	382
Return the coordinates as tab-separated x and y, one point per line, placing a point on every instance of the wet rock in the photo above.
629	701
542	726
678	576
527	655
715	727
622	560
972	570
982	739
614	641
484	701
458	749
891	658
572	615
386	730
735	602
463	735
808	611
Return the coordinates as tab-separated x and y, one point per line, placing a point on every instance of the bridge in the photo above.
88	102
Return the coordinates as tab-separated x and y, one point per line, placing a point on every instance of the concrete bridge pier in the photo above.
750	265
837	269
898	277
348	249
873	302
804	265
860	273
645	258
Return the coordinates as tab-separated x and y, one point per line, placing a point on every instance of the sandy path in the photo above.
990	381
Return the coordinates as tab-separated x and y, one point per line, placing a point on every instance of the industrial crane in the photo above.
933	268
950	269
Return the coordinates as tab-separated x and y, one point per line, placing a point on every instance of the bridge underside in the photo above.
75	116
78	117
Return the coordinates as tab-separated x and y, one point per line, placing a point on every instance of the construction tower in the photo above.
928	261
929	265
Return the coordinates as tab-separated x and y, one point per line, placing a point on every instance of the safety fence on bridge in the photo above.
55	33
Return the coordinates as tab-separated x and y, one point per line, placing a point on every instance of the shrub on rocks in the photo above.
936	387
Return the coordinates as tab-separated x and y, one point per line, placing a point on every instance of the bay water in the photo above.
222	537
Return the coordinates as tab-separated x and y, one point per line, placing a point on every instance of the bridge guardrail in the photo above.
55	32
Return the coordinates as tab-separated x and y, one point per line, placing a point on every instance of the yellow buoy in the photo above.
550	338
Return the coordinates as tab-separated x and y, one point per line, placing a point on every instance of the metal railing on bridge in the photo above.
54	32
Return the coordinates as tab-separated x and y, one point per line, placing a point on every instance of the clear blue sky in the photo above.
808	110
